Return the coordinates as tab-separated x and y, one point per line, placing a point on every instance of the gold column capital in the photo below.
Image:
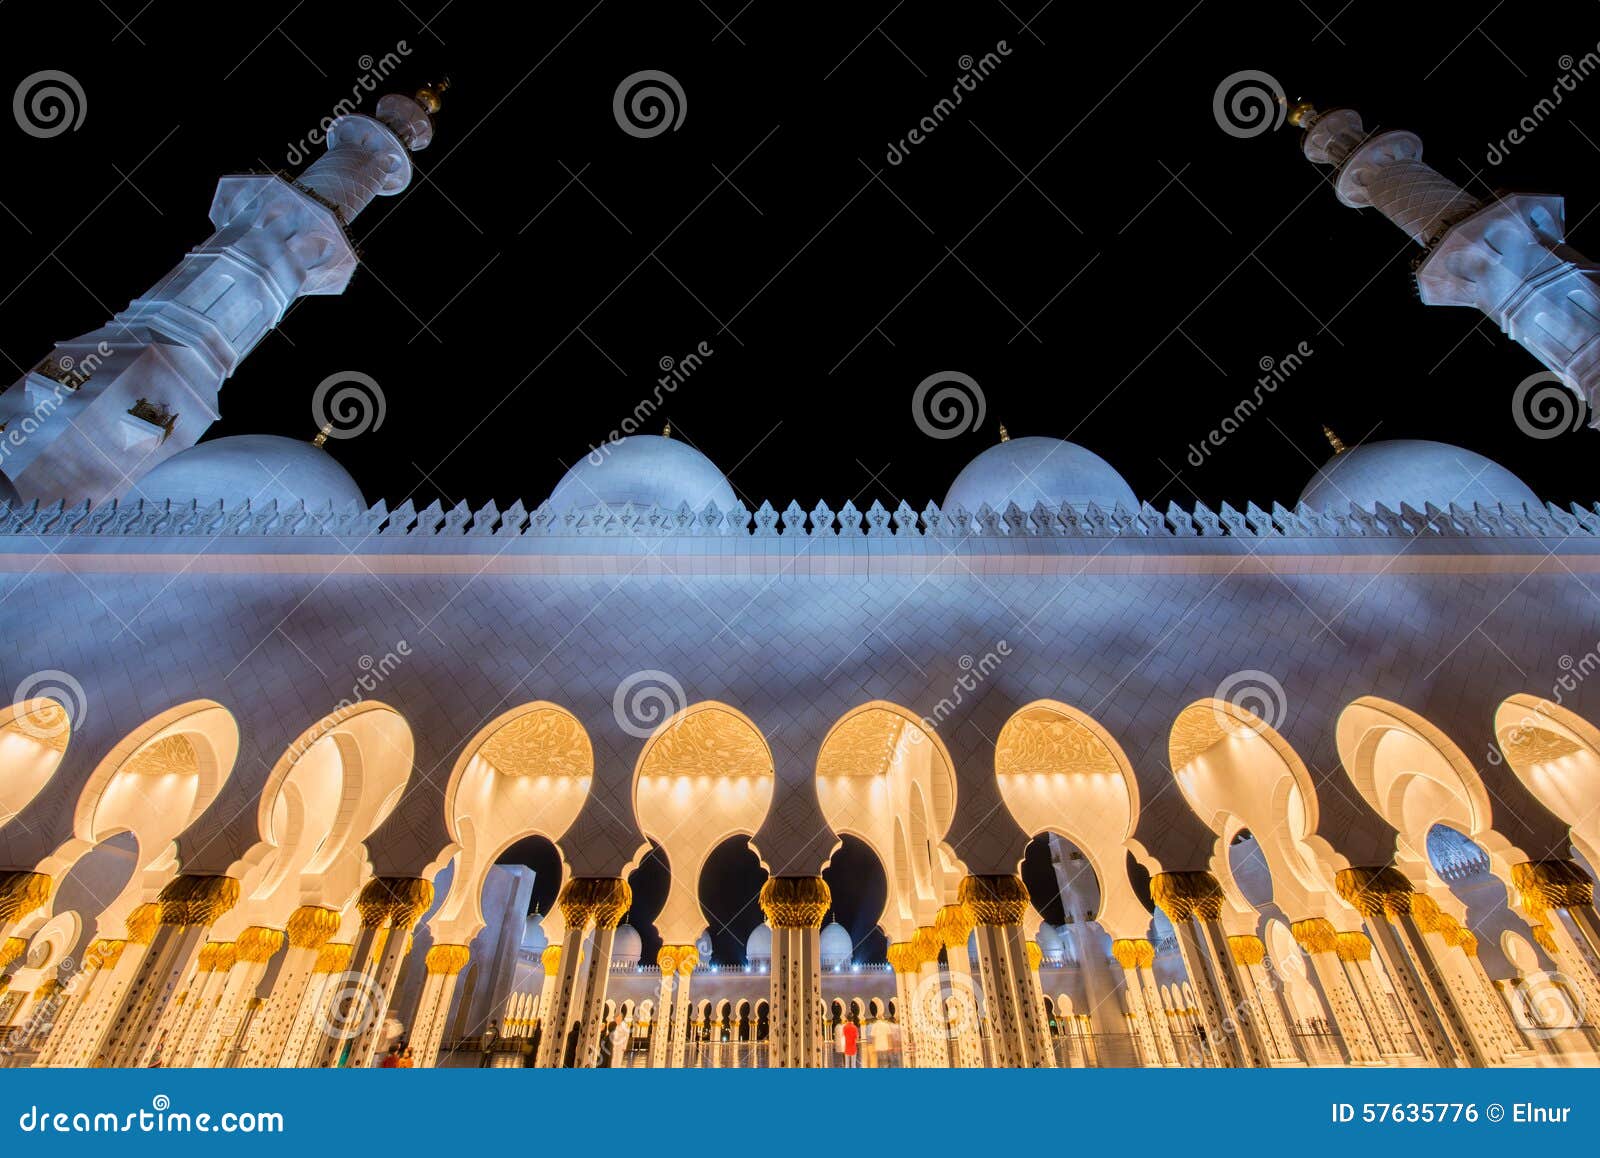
398	901
904	958
210	955
1376	892
1125	953
47	990
795	902
1354	947
954	925
447	959
597	899
1035	955
11	950
1551	884
1546	940
104	953
1247	949
994	899
333	957
188	900
142	923
928	943
1469	942
311	927
688	960
257	944
1425	911
1183	895
21	892
667	959
551	959
1316	935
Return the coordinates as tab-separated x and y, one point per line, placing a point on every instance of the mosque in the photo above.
1319	785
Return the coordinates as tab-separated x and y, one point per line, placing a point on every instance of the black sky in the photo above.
516	301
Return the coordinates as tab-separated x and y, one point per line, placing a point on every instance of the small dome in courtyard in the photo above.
1414	471
758	949
534	939
257	467
1050	944
627	946
837	946
1028	471
702	946
645	470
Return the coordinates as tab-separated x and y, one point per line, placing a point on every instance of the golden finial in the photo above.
322	435
666	430
1334	440
1301	114
430	96
1005	435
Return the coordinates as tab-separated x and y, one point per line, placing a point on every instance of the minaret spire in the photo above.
1540	291
1334	440
87	407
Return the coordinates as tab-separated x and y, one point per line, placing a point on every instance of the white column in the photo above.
444	964
309	928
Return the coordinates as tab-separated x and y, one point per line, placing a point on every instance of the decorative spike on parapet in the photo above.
107	407
1508	258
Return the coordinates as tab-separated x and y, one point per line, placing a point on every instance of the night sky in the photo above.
1080	236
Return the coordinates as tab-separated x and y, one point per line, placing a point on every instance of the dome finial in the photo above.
322	435
1301	114
666	429
1334	440
1005	435
430	96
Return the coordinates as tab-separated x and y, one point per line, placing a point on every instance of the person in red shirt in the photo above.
852	1036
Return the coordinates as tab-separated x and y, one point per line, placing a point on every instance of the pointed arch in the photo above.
887	779
1059	771
34	734
526	773
1556	754
1237	773
704	776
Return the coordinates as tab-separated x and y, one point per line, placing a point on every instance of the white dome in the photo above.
1413	471
702	946
1032	470
534	939
1050	943
627	947
257	467
758	949
836	945
645	470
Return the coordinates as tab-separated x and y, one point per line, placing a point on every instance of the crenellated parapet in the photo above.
144	518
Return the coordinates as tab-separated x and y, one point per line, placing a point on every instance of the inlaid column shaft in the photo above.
309	928
794	907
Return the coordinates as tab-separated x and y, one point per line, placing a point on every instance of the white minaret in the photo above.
107	407
1508	258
